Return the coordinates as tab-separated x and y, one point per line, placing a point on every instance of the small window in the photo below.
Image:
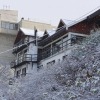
11	26
3	24
15	26
18	73
24	72
7	25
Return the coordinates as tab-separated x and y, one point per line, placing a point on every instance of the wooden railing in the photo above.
23	59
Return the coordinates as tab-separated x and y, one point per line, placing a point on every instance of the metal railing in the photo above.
24	58
55	49
23	41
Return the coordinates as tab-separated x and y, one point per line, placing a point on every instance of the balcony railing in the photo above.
24	59
62	46
18	46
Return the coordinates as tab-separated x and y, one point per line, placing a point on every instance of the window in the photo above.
57	46
11	26
3	24
65	42
18	73
24	72
7	25
15	26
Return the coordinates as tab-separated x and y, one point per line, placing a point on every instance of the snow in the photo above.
31	32
66	80
27	31
40	33
51	32
67	22
70	23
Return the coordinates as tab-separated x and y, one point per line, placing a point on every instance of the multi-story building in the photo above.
8	31
9	27
51	48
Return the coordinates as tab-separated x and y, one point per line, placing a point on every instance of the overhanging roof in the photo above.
27	31
69	23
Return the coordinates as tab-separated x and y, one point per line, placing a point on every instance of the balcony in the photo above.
19	46
57	48
26	58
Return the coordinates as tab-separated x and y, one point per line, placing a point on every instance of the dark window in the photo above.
11	26
18	73
7	25
24	71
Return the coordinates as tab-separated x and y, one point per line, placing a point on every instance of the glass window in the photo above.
7	25
15	26
65	42
3	24
11	26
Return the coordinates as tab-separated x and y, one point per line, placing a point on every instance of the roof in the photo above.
51	32
31	32
67	22
40	33
27	31
70	23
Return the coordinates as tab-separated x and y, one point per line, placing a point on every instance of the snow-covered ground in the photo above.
77	77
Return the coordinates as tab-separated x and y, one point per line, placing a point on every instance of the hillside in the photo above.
77	77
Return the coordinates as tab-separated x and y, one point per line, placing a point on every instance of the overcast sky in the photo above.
51	10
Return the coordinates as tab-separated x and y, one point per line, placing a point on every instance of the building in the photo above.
38	25
8	31
9	27
52	47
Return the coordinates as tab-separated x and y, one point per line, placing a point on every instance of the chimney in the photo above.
35	34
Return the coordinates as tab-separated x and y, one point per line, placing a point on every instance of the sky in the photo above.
50	11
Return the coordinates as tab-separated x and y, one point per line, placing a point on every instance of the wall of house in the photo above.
6	42
31	24
9	15
85	26
30	69
58	57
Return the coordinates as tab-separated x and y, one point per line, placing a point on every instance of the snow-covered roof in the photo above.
51	32
27	31
31	32
70	23
40	33
67	22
